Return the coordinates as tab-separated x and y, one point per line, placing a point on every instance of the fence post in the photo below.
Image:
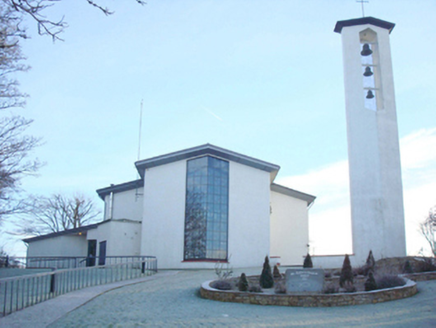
52	283
143	267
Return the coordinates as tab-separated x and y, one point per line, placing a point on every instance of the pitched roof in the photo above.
362	21
78	230
206	149
61	233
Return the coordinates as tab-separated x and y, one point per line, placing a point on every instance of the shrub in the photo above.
407	267
330	289
346	273
266	278
221	285
223	270
276	272
280	288
389	281
347	287
370	261
255	289
370	283
243	283
425	265
307	261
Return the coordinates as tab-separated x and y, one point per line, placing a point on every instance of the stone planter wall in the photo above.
317	300
423	276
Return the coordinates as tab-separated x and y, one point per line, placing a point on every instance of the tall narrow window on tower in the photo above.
370	70
206	212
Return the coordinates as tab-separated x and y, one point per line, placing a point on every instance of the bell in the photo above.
367	71
366	51
369	95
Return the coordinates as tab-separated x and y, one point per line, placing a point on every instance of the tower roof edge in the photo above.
361	21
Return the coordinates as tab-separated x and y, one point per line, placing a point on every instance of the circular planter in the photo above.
309	300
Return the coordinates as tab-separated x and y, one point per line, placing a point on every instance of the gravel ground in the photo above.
174	301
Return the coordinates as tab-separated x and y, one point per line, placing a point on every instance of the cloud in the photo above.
330	223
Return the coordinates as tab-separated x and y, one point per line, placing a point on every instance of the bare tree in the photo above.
56	213
14	145
36	10
428	229
11	58
14	164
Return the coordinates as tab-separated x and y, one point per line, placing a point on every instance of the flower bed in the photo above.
309	300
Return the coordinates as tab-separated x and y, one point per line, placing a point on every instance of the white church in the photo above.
192	208
197	206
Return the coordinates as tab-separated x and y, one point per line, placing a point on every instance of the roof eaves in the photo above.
62	233
293	193
362	21
103	192
206	149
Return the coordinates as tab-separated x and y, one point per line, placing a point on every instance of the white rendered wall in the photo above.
289	228
164	216
373	150
123	238
125	205
59	246
249	215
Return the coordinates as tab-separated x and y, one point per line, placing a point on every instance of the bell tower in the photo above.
376	190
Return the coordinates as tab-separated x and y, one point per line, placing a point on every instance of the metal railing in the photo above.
65	262
20	292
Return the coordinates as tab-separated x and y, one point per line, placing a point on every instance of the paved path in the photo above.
171	299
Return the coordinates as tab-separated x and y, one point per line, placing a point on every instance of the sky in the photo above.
262	78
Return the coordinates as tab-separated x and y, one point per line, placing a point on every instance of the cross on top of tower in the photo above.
363	9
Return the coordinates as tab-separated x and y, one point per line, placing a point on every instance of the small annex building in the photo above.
190	209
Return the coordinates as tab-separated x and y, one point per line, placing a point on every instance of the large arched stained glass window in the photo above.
206	211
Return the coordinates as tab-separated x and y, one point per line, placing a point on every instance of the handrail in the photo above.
64	262
17	293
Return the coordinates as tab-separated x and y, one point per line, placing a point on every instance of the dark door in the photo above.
102	254
92	252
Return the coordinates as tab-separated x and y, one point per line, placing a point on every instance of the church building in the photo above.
191	209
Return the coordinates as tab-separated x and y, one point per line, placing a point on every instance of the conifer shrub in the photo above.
370	283
407	267
370	264
307	261
346	277
276	272
221	285
243	283
266	278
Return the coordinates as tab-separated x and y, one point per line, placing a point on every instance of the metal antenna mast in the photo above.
137	193
140	130
363	9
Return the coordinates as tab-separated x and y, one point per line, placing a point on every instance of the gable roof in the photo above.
362	21
206	149
293	193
